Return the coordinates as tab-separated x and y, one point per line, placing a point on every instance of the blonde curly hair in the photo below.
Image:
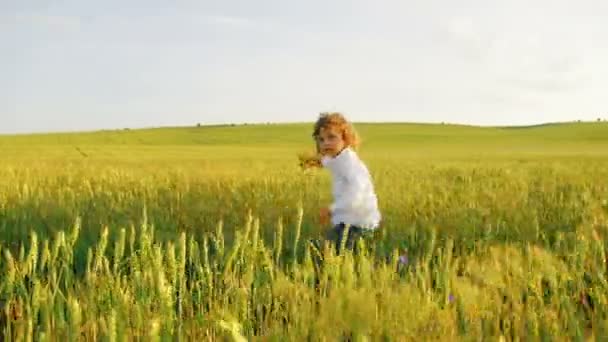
326	120
337	120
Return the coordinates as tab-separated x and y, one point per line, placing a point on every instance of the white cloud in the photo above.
57	22
229	20
519	56
540	62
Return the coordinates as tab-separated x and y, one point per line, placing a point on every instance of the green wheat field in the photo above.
202	234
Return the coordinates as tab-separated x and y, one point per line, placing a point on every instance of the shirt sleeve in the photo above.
356	182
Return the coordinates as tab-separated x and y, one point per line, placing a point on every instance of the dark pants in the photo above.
337	234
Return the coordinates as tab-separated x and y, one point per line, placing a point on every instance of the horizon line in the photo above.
266	123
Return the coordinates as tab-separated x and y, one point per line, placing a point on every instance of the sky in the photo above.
86	65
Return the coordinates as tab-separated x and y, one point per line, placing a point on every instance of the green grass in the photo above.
565	139
190	231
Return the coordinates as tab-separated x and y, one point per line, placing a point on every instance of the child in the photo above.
355	203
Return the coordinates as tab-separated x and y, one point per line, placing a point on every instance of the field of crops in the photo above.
202	233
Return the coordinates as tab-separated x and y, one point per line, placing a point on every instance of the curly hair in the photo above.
337	120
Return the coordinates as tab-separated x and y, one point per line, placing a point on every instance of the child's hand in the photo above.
308	160
324	216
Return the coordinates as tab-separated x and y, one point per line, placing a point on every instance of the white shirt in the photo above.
355	202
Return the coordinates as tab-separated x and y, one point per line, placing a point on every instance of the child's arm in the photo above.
324	216
357	182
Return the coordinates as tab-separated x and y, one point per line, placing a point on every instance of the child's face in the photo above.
330	141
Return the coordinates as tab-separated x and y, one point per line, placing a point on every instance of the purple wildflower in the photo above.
451	298
403	260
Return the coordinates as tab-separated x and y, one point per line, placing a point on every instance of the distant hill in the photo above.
289	134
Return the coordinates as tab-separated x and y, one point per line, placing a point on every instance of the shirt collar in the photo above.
330	162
